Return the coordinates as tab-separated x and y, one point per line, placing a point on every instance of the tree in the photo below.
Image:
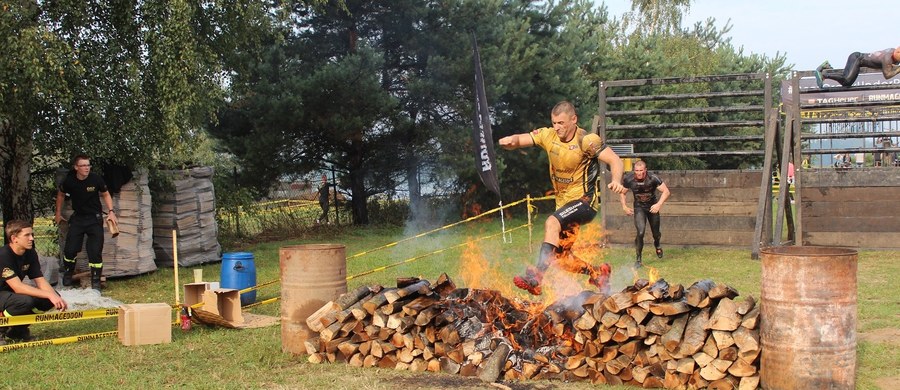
129	82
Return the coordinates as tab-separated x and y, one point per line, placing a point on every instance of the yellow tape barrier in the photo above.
409	260
58	317
494	210
57	341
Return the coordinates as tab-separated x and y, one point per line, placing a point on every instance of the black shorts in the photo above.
575	213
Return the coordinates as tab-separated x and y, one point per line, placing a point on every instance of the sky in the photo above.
809	32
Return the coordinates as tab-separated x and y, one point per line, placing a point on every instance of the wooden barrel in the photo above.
808	318
311	276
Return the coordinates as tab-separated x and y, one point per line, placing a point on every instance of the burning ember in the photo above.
650	334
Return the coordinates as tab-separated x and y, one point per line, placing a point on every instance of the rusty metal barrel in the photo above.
808	318
311	276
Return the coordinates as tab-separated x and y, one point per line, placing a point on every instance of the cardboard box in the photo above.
193	292
224	302
145	323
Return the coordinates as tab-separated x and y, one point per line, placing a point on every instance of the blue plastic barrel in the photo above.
239	272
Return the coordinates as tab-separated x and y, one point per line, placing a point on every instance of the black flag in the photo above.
481	134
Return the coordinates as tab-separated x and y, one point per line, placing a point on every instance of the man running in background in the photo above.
886	60
575	158
643	186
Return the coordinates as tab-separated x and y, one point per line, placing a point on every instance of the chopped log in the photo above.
749	383
468	369
676	292
312	345
573	362
351	297
669	308
695	334
725	317
640	373
330	332
421	303
449	366
697	381
723	338
405	355
658	325
618	302
638	313
316	358
425	316
529	369
672	338
751	319
746	305
620	335
727	383
592	349
653	382
356	360
609	319
711	373
616	365
406	281
370	361
365	347
722	290
741	369
720	364
395	306
702	359
385	334
394	321
348	348
650	339
604	335
444	286
609	353
697	295
629	324
395	294
711	348
418	365
730	354
585	322
476	358
457	355
580	372
598	310
747	341
388	361
630	348
323	317
675	380
376	301
401	366
659	289
433	365
349	327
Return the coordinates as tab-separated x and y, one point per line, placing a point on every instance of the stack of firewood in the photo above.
648	335
189	208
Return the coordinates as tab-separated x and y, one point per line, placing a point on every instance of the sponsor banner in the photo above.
481	134
58	316
834	93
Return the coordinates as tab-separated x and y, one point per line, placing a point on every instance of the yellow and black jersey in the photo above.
574	171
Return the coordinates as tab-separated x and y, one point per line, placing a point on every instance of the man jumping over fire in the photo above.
575	158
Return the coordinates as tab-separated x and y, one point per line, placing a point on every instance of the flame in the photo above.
652	274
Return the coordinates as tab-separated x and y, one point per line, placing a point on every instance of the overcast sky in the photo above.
809	32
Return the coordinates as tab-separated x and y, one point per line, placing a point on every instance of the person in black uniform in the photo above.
886	60
323	200
84	189
643	186
18	259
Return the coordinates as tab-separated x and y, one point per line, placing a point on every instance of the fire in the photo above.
652	274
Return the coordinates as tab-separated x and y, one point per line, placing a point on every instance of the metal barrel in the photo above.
311	276
808	318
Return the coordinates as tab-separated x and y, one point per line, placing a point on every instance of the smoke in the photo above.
86	299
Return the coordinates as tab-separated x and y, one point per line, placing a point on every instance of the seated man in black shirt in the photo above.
18	259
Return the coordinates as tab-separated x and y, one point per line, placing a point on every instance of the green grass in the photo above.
215	358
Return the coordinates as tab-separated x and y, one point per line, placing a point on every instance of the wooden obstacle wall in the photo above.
851	207
709	207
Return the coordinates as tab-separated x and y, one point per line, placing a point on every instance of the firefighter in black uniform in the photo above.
84	189
643	186
18	259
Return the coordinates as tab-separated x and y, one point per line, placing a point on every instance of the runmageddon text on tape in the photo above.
58	317
57	341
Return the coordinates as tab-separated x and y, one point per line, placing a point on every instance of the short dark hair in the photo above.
80	157
563	107
15	226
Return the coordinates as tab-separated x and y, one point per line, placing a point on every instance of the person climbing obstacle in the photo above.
887	60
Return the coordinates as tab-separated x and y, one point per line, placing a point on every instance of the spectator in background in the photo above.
323	200
860	159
